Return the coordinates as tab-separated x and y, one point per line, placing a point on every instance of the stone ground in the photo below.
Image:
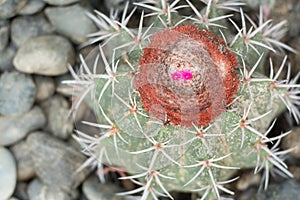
38	157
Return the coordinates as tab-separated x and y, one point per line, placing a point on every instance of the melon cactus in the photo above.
183	102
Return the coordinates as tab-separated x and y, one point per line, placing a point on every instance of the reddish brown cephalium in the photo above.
187	76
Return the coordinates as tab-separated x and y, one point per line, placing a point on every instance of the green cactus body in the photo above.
163	154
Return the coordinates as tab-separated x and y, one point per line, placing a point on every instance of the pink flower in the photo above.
187	75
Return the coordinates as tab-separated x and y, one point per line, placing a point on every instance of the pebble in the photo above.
6	58
55	162
21	190
71	21
129	197
288	189
295	170
25	27
17	93
9	8
8	174
45	55
116	4
62	88
292	140
39	191
249	194
4	34
94	190
45	87
13	198
254	4
25	167
57	110
247	180
14	128
60	2
32	7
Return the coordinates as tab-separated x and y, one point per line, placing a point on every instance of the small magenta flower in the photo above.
186	75
176	76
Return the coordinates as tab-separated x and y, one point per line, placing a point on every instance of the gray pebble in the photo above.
249	194
292	140
9	8
32	7
60	2
129	197
25	167
295	170
287	190
8	174
57	111
6	58
4	34
17	93
13	198
247	180
55	162
39	191
45	55
62	88
14	128
25	27
21	190
71	21
94	190
45	87
116	4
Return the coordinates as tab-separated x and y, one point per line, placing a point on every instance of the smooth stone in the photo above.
45	55
247	180
94	190
15	128
57	110
45	87
249	194
62	88
39	191
8	174
21	190
129	197
288	189
25	27
60	2
292	140
25	167
71	21
32	7
55	162
85	113
4	34
17	93
295	170
116	4
9	8
6	58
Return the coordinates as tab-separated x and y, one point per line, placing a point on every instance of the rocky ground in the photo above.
38	157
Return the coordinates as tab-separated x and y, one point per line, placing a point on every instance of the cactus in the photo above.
183	102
